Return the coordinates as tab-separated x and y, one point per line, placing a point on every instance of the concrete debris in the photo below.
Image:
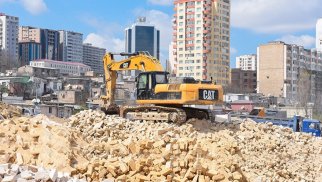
8	111
31	173
94	147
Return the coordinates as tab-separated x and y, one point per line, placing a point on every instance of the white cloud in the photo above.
161	2
275	16
111	44
304	40
34	7
233	51
107	35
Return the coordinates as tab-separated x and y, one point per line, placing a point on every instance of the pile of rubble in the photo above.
91	146
37	141
15	172
8	111
197	150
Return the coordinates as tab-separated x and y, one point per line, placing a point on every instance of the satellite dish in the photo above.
5	95
35	101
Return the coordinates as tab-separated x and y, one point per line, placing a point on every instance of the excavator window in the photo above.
143	80
161	79
147	81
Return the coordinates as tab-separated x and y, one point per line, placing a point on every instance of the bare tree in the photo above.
304	89
7	61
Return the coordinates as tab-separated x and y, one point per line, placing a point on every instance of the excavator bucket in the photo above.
111	110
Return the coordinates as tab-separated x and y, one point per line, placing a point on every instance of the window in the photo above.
143	81
160	78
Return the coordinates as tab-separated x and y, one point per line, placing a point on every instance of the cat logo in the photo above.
208	94
125	65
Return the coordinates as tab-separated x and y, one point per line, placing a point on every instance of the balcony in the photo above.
206	11
206	31
189	38
204	64
206	51
204	77
190	12
190	45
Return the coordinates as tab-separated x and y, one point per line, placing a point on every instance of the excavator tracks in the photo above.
164	114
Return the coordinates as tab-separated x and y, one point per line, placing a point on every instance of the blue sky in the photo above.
102	22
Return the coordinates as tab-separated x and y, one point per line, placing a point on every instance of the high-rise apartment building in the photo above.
29	51
9	26
246	62
319	35
201	36
71	46
171	62
243	81
93	57
289	71
142	36
49	40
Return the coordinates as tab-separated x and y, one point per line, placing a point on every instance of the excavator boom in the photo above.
138	61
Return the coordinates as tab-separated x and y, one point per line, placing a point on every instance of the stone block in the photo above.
53	174
26	175
9	178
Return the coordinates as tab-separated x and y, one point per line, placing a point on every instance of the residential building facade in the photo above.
319	35
71	46
244	81
246	62
290	72
66	68
49	40
142	36
201	37
93	57
9	26
29	51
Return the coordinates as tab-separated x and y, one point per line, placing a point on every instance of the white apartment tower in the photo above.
246	62
319	35
9	27
201	37
71	46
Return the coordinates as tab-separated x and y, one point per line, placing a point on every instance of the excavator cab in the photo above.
146	82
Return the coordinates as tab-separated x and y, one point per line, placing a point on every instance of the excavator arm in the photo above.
137	61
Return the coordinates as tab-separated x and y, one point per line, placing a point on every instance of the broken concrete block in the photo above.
53	174
19	158
26	175
9	178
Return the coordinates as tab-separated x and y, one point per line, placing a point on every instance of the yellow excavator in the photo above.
159	96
